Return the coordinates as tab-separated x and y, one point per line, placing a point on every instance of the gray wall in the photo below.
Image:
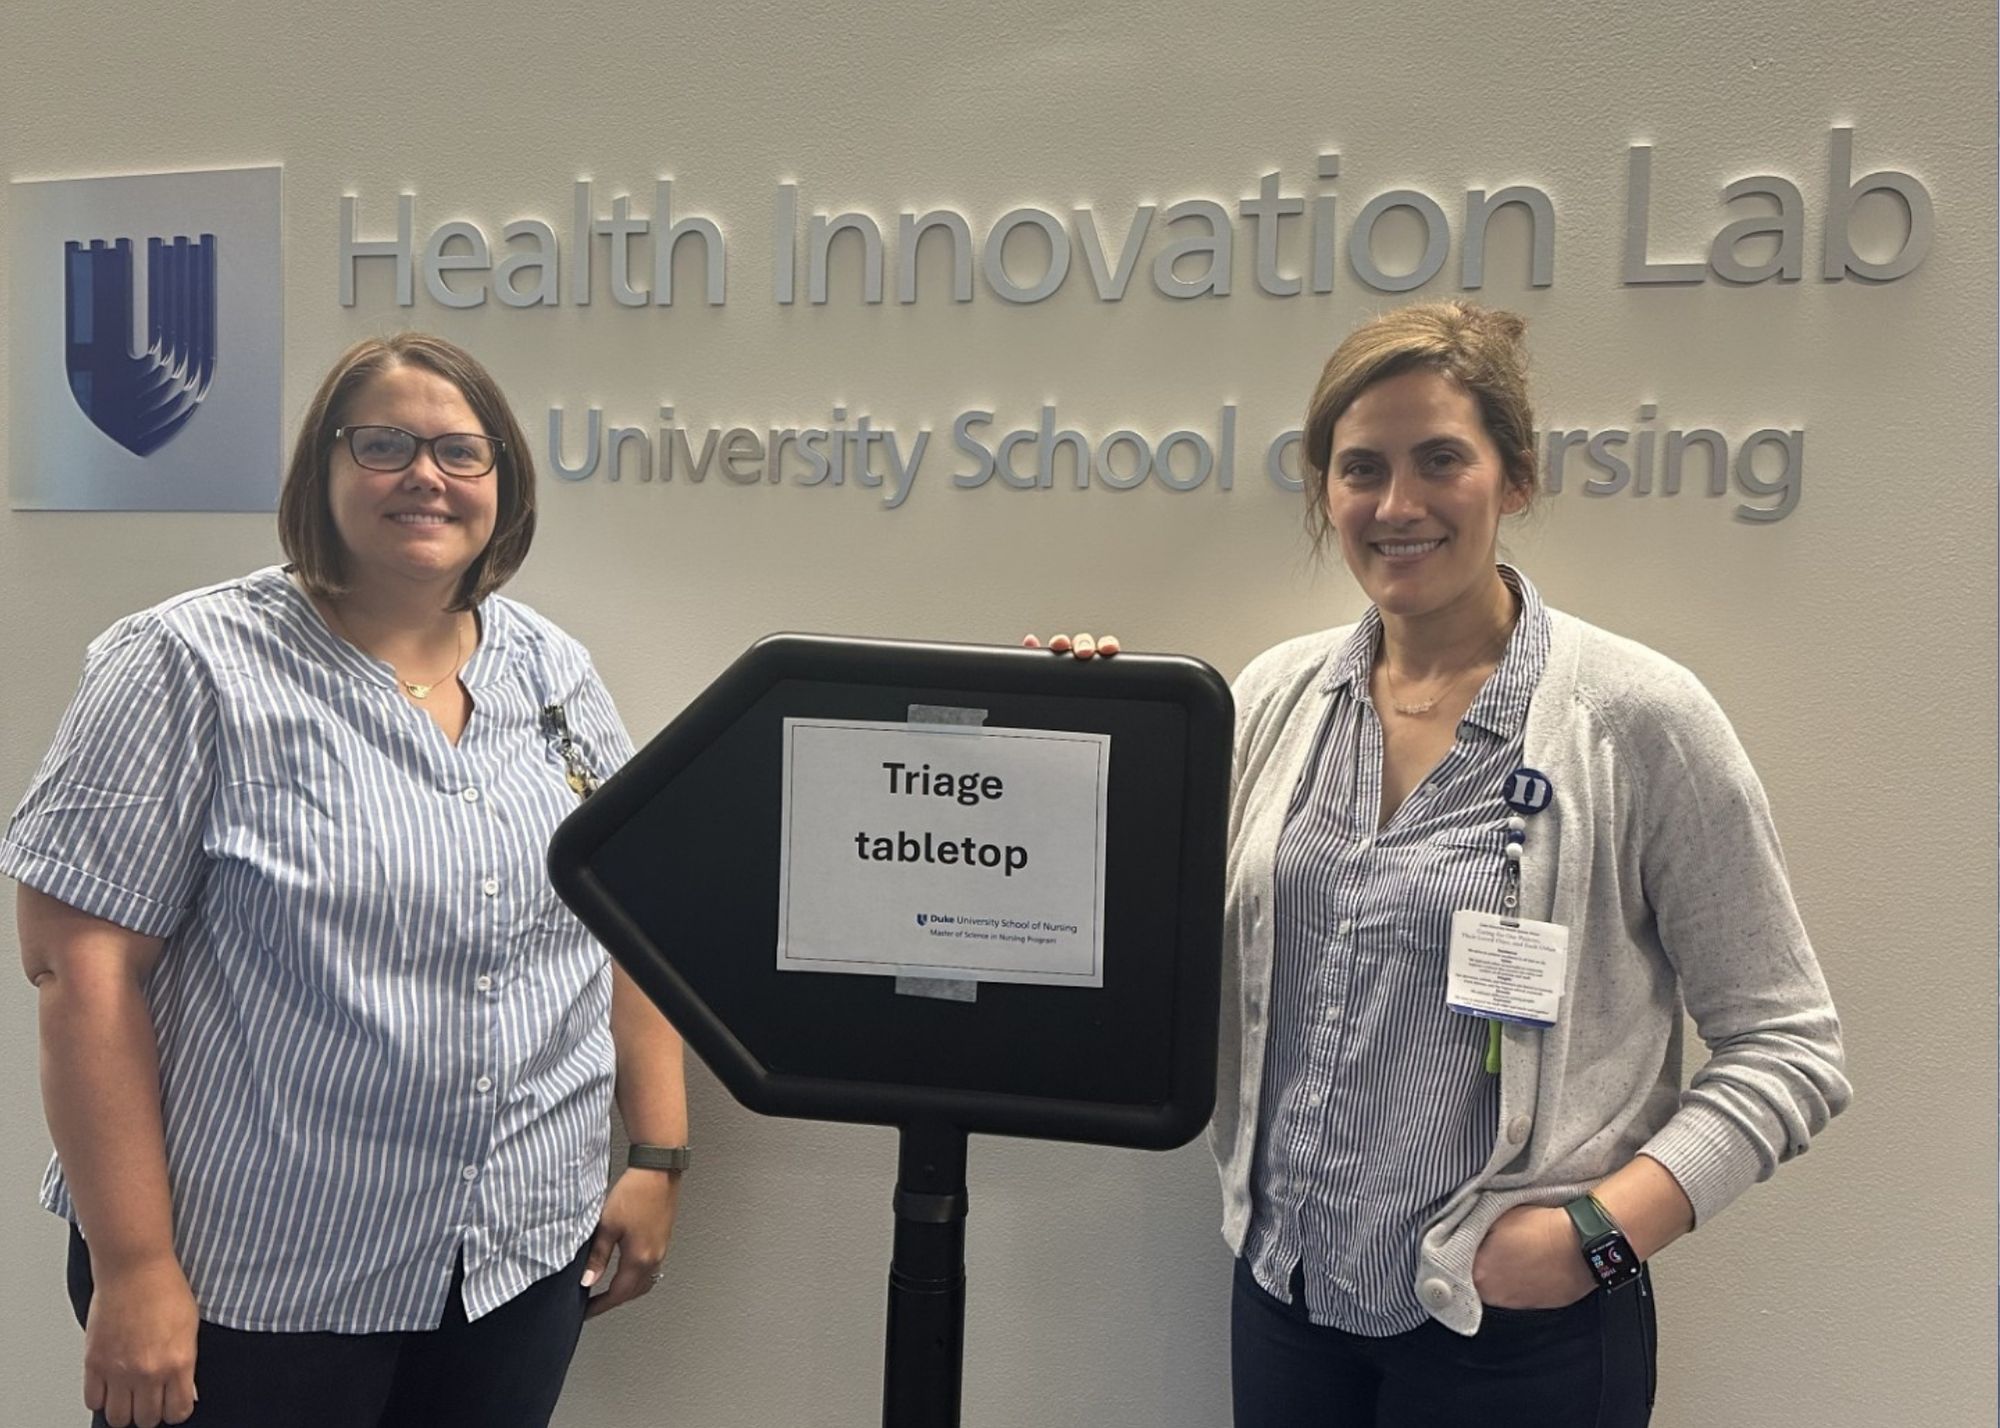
1852	641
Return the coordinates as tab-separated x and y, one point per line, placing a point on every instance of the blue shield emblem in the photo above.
920	919
140	401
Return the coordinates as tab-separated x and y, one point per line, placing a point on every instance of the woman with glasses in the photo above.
327	1065
1482	858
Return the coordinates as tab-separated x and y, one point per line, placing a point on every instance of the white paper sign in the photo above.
932	852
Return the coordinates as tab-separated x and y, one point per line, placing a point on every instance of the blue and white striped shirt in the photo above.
1377	1104
383	1040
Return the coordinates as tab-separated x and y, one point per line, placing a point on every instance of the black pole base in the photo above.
924	1366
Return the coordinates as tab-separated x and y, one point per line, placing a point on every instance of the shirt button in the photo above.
1437	1293
471	1172
483	1084
491	887
1517	1129
483	982
1364	845
1346	926
1315	1099
471	795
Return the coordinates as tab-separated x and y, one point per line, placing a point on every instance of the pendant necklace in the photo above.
1417	710
414	688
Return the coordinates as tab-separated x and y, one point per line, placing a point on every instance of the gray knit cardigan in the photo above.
1659	856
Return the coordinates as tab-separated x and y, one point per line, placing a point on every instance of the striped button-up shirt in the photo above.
383	1041
1377	1104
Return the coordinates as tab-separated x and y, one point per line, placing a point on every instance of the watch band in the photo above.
1590	1219
1613	1262
658	1157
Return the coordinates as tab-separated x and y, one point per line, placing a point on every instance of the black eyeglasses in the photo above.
462	454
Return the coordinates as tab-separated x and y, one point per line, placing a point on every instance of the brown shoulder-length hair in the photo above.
305	520
1480	348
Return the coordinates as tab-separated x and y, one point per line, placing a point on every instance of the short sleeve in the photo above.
113	822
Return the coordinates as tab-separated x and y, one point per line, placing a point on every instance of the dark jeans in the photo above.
1588	1366
504	1370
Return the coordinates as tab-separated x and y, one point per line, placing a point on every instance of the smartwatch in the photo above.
1613	1264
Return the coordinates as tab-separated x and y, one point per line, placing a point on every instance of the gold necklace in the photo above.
413	688
1417	711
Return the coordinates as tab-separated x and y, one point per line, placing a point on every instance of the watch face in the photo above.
1612	1261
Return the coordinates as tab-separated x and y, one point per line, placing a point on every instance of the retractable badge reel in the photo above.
1528	792
1506	968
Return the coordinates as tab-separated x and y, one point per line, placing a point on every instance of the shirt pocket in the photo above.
309	906
296	833
546	921
1462	868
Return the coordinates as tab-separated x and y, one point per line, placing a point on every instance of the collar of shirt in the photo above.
288	605
1501	706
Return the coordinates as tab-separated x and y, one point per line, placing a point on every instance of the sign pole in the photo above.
924	1363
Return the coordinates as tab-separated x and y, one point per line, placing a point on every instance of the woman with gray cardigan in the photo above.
1482	856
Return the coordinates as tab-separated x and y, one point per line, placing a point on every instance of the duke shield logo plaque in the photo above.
147	348
140	401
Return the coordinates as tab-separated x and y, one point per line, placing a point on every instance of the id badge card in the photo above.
1512	971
